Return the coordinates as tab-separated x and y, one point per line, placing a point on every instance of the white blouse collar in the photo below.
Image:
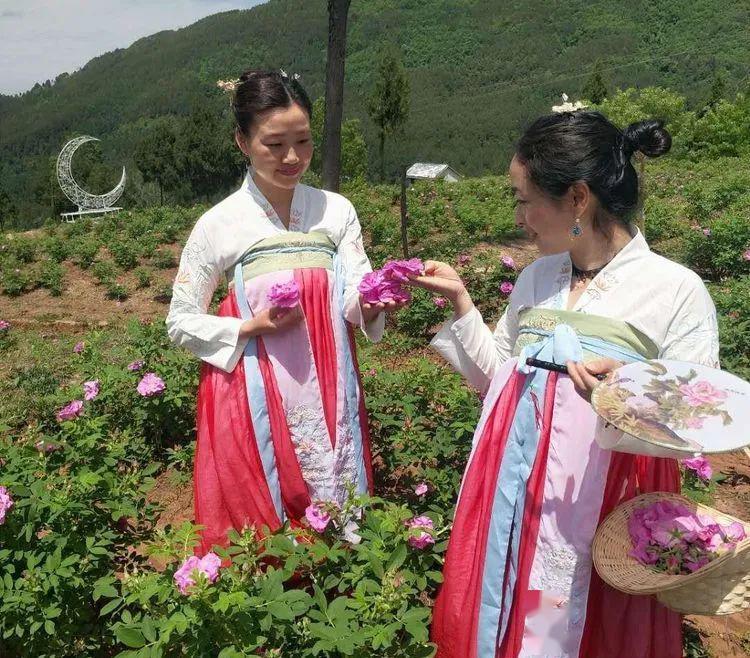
296	212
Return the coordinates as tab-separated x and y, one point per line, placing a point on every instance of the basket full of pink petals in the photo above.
693	558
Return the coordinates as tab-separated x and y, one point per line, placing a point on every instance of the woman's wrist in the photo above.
462	303
247	329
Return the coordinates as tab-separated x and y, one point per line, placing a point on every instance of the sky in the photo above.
39	39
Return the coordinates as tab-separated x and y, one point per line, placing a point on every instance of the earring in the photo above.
576	231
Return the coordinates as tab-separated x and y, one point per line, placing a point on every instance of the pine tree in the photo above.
389	103
595	89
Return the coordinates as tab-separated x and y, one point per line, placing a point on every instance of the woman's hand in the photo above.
441	279
270	321
584	375
371	311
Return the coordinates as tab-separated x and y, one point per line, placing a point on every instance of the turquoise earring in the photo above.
576	231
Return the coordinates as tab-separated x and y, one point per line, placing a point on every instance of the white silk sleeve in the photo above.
211	338
355	265
473	349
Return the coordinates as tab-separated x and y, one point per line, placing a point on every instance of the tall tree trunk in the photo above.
338	11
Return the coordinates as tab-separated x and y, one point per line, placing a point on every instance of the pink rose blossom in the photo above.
136	365
4	325
284	295
707	232
673	539
370	286
79	346
506	287
700	466
70	411
401	270
90	389
463	259
372	372
317	517
746	255
701	392
508	262
151	385
185	577
424	525
421	489
6	502
375	288
735	532
440	302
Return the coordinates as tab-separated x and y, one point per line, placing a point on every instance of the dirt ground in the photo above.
84	306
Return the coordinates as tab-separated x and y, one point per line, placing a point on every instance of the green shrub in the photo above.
116	291
124	254
720	254
15	279
164	259
104	271
143	275
51	277
317	596
84	251
73	492
23	249
56	248
732	299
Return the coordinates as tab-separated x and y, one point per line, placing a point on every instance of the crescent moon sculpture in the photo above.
85	201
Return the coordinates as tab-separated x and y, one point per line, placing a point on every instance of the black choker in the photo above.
586	275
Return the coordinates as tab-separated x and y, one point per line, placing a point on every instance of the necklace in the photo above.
586	275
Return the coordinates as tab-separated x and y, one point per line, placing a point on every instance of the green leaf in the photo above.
112	605
148	629
49	627
397	558
130	637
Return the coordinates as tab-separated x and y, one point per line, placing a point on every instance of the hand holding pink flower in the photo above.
284	295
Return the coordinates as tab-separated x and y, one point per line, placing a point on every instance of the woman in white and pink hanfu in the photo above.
281	419
518	578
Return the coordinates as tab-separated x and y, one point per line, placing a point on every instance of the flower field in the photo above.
94	415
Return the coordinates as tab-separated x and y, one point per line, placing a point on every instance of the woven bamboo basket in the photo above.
722	587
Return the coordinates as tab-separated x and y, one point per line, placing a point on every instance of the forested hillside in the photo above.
478	70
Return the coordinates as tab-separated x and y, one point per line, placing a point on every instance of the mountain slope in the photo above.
479	70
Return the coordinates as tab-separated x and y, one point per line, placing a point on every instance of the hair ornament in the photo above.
230	86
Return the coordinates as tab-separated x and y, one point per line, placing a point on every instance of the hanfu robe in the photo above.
518	577
281	419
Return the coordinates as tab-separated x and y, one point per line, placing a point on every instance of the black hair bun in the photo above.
649	137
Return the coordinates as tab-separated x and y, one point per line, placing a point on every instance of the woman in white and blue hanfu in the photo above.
518	577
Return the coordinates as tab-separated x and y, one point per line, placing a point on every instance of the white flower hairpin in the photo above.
567	106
